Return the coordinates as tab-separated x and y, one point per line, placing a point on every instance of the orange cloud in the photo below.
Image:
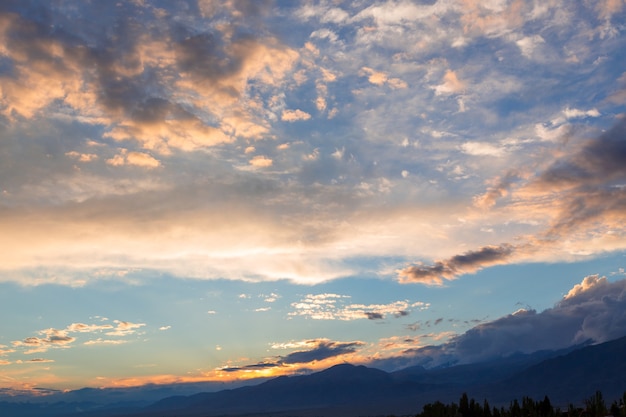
294	115
261	161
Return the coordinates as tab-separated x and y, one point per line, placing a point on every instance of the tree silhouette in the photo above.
595	405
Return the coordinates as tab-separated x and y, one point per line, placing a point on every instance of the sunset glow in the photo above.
227	190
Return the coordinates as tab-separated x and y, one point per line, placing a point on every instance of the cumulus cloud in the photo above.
261	161
592	311
53	338
61	338
381	78
294	115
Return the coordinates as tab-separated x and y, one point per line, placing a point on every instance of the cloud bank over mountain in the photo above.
593	311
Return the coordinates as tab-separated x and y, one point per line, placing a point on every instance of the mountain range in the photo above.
565	376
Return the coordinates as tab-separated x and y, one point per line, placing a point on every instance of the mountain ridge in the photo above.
565	376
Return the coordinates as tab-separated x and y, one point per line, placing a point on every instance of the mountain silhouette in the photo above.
567	376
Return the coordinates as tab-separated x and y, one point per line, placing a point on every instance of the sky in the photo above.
225	190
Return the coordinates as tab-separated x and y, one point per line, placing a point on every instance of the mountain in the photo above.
568	376
481	372
340	390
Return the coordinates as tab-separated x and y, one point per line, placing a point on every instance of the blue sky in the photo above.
226	190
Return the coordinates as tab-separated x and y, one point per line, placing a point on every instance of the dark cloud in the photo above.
468	262
323	349
593	311
372	315
598	162
262	365
51	340
319	349
591	182
589	185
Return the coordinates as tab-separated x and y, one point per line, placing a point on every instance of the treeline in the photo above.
594	406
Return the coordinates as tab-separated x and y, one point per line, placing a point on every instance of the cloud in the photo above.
261	161
594	310
380	78
499	189
468	262
5	350
482	149
310	353
450	85
253	367
139	159
320	349
82	157
333	307
372	315
61	338
100	341
589	185
576	113
120	81
270	298
528	44
53	338
374	77
598	162
39	360
124	328
294	115
190	110
580	187
87	328
589	283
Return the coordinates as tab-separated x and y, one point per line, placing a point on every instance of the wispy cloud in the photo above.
583	186
334	307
